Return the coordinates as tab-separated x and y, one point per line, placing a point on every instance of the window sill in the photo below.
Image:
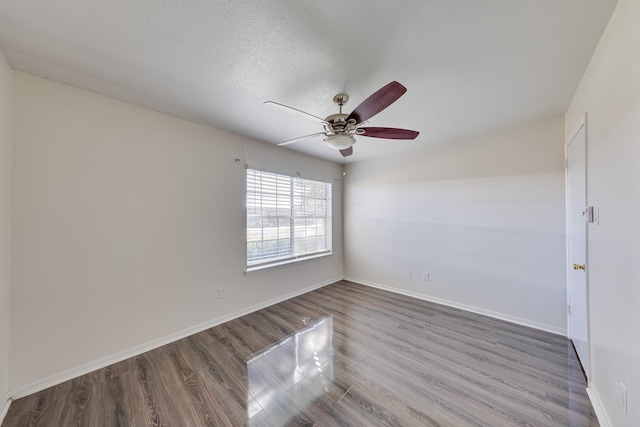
281	264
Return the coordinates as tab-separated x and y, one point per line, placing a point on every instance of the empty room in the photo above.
413	213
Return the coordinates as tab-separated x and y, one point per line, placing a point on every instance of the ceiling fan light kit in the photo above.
340	129
340	141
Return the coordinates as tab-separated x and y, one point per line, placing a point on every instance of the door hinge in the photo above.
589	214
569	309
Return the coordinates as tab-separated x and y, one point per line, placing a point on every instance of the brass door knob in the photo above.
579	267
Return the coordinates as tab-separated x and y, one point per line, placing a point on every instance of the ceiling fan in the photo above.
340	129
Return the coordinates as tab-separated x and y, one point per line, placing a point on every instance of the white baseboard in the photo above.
4	409
137	350
496	315
598	408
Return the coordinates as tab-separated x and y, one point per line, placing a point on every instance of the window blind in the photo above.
288	218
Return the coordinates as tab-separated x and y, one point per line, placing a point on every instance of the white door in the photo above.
577	247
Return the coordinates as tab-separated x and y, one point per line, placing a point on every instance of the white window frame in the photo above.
288	219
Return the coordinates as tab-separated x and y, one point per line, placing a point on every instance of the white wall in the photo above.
610	94
126	223
484	215
5	223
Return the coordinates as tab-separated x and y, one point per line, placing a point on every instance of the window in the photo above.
288	218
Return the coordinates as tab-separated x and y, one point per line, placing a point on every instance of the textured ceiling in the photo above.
469	66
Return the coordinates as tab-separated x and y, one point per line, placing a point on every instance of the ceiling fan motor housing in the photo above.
338	123
337	120
339	129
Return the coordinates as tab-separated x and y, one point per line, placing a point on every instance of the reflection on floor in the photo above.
343	355
294	363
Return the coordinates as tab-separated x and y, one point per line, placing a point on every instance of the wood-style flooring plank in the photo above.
342	355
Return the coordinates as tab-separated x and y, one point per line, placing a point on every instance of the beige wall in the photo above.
5	223
483	215
610	94
126	223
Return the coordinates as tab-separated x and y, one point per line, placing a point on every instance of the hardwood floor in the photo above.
344	355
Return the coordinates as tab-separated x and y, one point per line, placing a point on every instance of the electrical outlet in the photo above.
425	276
221	292
410	274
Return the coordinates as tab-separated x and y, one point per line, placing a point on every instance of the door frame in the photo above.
581	124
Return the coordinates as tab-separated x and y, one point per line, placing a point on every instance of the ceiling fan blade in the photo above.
377	102
295	110
291	141
389	133
347	152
